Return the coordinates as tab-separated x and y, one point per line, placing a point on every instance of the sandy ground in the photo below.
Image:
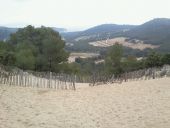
144	104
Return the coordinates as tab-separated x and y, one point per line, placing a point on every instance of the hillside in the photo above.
97	33
154	32
107	28
133	44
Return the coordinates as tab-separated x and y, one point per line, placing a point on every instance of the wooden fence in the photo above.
67	81
37	79
143	74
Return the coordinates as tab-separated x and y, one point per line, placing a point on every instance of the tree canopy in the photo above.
113	59
39	49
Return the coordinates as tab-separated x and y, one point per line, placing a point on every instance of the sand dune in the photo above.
136	104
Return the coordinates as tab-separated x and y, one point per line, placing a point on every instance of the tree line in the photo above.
115	62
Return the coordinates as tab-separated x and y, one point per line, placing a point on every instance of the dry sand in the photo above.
136	104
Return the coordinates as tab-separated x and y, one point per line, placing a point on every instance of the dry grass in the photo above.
137	104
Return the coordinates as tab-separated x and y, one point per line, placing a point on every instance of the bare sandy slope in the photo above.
140	45
144	104
74	55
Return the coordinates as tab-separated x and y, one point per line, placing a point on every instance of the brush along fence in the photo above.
143	74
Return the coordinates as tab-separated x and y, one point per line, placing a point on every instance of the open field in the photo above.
135	104
122	40
74	55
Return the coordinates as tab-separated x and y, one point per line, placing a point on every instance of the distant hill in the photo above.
107	28
98	32
156	31
5	32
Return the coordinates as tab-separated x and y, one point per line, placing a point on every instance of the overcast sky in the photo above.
75	14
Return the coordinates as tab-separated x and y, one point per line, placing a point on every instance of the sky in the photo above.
80	14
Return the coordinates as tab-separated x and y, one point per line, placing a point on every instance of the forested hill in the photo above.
104	28
98	32
5	32
154	31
